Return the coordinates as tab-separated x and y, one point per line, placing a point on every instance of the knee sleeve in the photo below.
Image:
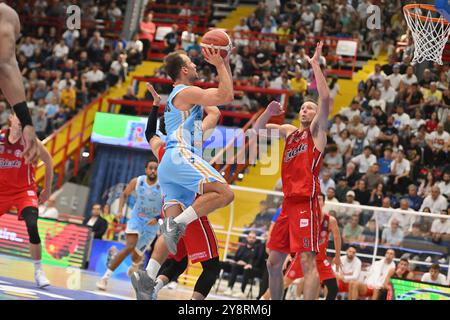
172	269
30	216
205	282
332	288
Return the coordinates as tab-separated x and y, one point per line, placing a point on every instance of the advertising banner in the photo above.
414	290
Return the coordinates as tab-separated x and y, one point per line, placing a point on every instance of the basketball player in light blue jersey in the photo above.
142	227
182	171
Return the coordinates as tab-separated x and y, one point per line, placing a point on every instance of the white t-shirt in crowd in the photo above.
363	162
388	94
445	188
372	133
334	129
395	80
409	81
378	103
378	273
308	18
60	50
440	227
92	76
349	113
436	206
401	167
400	121
439	140
342	145
440	279
415	124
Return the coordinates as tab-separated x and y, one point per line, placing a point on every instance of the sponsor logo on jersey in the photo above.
18	153
296	151
7	164
31	193
304	223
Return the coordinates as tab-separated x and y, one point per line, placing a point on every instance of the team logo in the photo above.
304	223
326	263
18	153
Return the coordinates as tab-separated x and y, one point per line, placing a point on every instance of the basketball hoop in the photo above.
430	31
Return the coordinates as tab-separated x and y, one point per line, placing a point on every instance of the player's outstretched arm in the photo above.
210	121
273	109
125	194
48	162
153	140
208	97
319	124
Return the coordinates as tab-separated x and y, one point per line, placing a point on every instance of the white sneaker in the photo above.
41	279
172	285
442	260
228	292
428	259
102	284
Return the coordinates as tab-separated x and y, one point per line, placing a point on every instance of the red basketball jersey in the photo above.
324	235
301	165
15	175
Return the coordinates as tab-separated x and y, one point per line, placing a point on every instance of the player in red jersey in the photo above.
11	82
199	243
326	274
18	188
297	227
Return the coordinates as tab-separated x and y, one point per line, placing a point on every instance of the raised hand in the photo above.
275	108
212	56
155	95
317	54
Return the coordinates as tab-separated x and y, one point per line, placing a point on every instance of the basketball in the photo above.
217	39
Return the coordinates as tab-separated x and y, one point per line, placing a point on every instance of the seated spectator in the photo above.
349	270
171	40
434	276
244	258
96	46
66	81
364	160
118	70
383	217
406	221
135	50
400	168
41	91
373	178
40	123
52	108
342	189
362	195
344	144
96	222
54	93
95	78
352	230
388	93
375	279
409	78
395	77
48	209
387	133
444	185
355	126
439	142
350	112
401	271
417	121
385	162
330	199
126	109
264	216
372	131
337	127
326	181
415	233
393	235
60	118
377	195
69	97
435	201
377	101
440	230
402	121
427	184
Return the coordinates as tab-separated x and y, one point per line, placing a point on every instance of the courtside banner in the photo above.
415	290
63	244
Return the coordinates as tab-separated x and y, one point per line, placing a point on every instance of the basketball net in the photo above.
430	33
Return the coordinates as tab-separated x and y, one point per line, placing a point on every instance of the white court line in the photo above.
105	294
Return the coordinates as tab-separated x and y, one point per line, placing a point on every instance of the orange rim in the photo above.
423	18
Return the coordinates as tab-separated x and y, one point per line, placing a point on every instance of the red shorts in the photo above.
369	292
198	243
342	286
323	267
20	201
297	227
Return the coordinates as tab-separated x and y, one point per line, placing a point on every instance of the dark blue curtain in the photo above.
113	168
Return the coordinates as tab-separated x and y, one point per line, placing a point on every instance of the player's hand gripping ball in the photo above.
217	39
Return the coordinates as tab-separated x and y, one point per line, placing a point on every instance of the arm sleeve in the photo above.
150	130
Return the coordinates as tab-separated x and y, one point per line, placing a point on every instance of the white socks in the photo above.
108	274
159	285
37	265
187	216
153	268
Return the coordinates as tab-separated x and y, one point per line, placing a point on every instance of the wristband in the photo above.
23	113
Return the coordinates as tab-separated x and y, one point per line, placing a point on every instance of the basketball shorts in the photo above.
342	286
199	242
182	174
297	227
146	233
323	267
19	200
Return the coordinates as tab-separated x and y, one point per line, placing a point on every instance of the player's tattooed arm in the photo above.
124	196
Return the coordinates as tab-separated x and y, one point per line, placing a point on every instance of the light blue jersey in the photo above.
148	205
184	128
182	171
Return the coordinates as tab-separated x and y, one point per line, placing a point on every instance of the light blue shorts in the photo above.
145	233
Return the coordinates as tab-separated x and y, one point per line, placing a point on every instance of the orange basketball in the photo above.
217	39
